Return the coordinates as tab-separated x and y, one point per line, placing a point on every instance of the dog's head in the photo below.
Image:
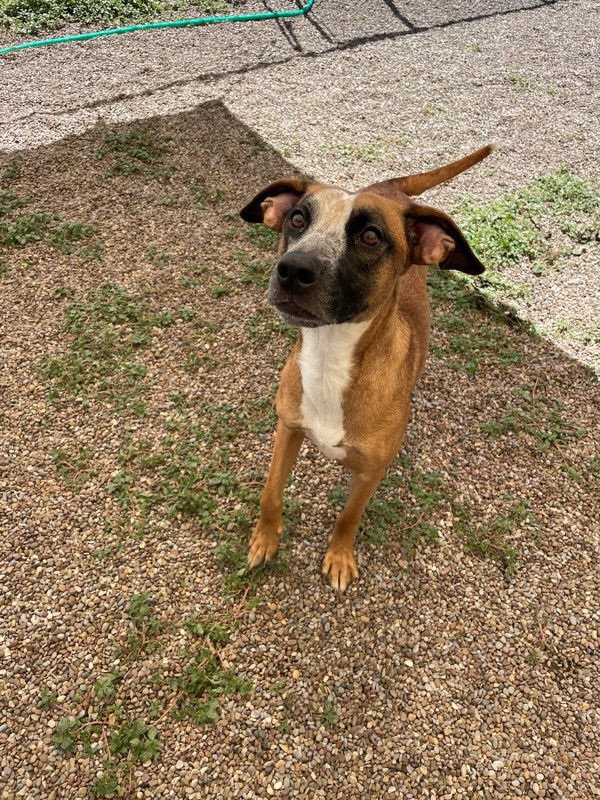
342	252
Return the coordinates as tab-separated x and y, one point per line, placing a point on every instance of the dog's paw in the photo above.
340	567
263	546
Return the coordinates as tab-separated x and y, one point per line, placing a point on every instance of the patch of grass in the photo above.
369	153
491	539
465	345
434	110
253	142
73	467
329	715
537	416
256	271
139	151
221	289
262	237
107	331
18	229
518	226
144	625
522	82
30	16
159	258
202	197
266	325
203	681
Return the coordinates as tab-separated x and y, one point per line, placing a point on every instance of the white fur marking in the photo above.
326	361
327	230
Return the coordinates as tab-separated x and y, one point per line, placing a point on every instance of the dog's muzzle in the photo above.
295	289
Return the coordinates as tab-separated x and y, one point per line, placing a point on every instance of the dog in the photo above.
351	276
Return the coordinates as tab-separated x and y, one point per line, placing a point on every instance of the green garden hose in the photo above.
179	23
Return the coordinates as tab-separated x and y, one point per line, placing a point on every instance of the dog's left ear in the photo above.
436	239
274	202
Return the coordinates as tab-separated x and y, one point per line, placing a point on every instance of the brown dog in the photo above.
351	276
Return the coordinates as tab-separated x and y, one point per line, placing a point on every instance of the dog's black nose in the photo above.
298	271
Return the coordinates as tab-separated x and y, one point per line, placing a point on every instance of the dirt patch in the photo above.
140	364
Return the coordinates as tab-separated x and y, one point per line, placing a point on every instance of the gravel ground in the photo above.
451	669
411	85
462	664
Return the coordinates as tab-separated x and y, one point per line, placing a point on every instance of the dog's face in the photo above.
342	253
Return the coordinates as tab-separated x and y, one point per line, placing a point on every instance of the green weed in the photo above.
30	16
490	539
329	715
256	271
105	687
144	625
139	151
10	172
203	196
159	258
254	142
522	82
194	691
265	326
262	237
517	227
203	682
195	361
221	289
537	416
108	330
18	230
73	467
175	477
136	740
370	153
437	110
466	346
391	512
46	699
108	784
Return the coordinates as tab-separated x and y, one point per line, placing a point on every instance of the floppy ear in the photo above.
271	205
436	239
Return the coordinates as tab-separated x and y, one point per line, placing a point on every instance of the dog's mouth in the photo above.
297	314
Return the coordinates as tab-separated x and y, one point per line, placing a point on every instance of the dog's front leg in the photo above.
339	563
267	533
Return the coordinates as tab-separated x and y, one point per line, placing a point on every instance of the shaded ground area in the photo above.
360	89
139	367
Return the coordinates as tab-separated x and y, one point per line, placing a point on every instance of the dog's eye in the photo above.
297	220
370	237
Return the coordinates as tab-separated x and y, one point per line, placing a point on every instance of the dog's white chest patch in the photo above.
325	361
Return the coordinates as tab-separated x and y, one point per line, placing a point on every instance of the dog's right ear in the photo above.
272	204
